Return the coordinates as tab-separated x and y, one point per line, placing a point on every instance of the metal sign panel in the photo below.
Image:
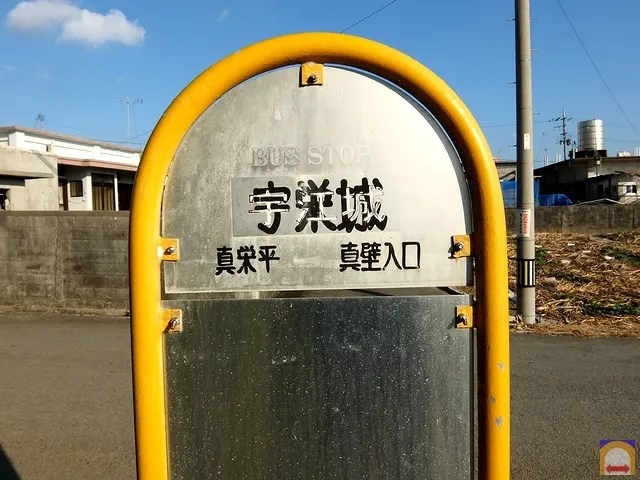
347	184
309	388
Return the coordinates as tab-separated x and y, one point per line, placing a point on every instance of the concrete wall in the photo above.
78	261
68	261
591	219
31	178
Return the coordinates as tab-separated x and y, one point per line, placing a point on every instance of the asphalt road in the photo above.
66	404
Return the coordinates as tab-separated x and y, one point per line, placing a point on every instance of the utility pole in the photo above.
526	245
129	104
565	139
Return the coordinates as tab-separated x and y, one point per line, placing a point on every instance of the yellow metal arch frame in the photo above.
489	237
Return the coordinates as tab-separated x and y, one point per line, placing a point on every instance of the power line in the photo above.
133	138
621	140
101	137
135	122
540	143
368	16
508	124
596	68
105	137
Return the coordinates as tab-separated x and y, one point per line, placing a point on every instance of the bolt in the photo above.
313	78
174	323
170	250
458	247
462	318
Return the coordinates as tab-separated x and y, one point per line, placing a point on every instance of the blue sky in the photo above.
75	61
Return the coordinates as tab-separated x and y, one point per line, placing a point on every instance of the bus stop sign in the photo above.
300	215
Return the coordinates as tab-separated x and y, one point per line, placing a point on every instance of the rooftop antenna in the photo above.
129	103
39	118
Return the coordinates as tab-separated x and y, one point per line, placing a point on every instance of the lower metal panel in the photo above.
333	388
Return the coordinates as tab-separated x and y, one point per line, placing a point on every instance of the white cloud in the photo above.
223	15
10	68
75	24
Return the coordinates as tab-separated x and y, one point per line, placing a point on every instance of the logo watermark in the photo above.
617	458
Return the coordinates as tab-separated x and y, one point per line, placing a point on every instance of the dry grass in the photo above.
587	285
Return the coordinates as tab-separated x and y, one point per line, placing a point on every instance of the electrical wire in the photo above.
539	147
593	63
133	138
104	136
135	122
620	140
508	124
368	16
363	19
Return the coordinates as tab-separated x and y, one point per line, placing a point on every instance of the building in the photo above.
506	169
28	180
590	174
91	175
588	179
619	186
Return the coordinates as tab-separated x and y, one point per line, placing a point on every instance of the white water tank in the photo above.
590	135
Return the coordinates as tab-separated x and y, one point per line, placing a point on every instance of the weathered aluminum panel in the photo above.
351	388
346	185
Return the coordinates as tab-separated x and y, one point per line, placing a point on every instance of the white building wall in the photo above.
73	150
624	195
86	201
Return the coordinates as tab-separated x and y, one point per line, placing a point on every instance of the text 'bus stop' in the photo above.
300	217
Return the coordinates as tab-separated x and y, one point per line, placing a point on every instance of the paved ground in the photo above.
65	396
567	395
66	411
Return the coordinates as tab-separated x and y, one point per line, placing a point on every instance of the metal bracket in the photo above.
464	316
171	321
170	249
311	74
460	246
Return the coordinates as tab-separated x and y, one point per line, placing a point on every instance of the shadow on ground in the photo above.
7	471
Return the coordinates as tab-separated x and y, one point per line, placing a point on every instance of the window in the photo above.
75	188
632	189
